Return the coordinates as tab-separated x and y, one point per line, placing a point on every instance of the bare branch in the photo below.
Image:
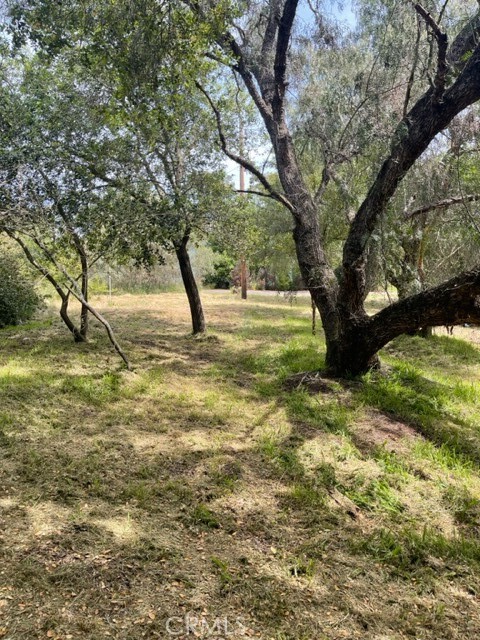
442	44
238	159
152	177
442	204
326	176
247	76
255	193
442	11
411	78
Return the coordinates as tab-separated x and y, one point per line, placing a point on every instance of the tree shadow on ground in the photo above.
175	489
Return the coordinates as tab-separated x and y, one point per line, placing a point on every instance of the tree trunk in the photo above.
353	338
84	310
78	336
425	332
191	289
64	297
82	254
314	317
352	352
243	278
452	303
76	291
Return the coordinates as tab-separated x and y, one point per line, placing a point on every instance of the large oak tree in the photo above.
260	55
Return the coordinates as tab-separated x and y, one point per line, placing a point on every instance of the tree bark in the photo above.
78	336
191	288
76	291
243	277
84	287
452	303
96	314
82	254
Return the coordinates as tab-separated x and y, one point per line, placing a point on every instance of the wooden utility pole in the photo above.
243	261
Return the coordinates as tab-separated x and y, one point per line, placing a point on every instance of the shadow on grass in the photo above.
426	405
174	492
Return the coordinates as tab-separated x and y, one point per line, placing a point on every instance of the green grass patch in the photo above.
407	549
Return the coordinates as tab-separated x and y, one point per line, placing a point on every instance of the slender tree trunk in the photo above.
243	278
191	288
84	287
76	291
82	254
314	318
96	314
243	261
78	336
64	297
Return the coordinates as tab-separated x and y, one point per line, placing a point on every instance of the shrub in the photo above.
18	298
221	276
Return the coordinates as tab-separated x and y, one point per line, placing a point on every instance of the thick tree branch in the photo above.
451	303
265	77
280	66
464	44
423	122
240	67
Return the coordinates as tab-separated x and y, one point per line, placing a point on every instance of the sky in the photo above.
341	9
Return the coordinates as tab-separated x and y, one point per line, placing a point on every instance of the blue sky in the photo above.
345	13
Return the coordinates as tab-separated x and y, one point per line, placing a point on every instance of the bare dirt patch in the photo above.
375	429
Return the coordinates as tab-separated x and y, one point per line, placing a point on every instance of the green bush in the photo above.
221	276
18	298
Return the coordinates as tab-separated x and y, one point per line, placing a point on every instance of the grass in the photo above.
201	484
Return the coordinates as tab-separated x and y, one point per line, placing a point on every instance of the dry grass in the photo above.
198	483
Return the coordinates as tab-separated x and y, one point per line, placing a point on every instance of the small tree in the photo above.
149	133
51	210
